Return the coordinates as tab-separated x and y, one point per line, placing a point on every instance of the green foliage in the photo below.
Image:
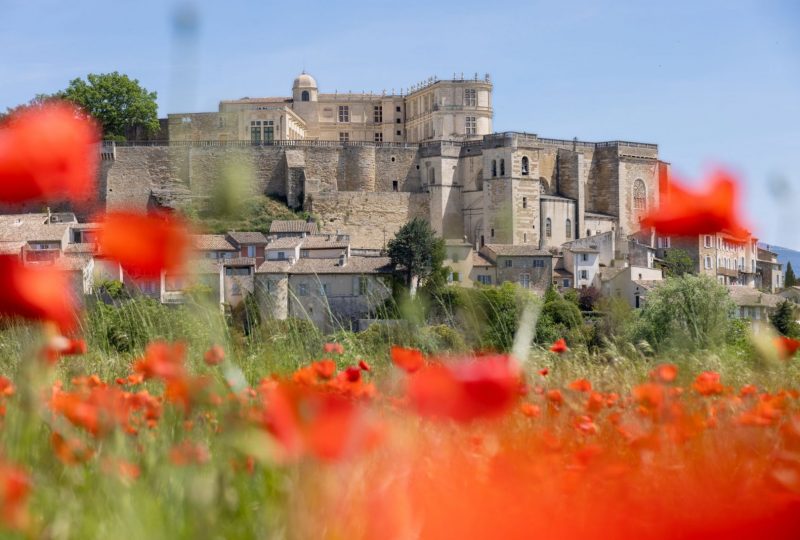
560	318
256	213
113	289
417	251
677	263
789	280
38	101
784	320
689	311
118	102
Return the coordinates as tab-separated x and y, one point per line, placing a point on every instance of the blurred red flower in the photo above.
708	383
580	385
214	355
162	360
664	373
333	348
38	293
363	365
409	360
15	489
144	245
466	390
787	347
690	213
48	153
559	346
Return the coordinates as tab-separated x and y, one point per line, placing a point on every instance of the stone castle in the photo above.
367	163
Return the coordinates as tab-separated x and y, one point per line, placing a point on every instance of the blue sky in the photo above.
713	83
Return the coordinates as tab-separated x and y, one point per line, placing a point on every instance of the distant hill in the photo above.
785	255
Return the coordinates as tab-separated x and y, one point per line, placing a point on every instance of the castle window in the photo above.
494	168
492	233
399	132
639	196
525	238
378	136
502	167
398	121
525	164
431	176
344	136
394	185
255	131
569	228
344	113
524	202
397	108
304	96
378	114
470	97
588	232
269	131
471	125
548	228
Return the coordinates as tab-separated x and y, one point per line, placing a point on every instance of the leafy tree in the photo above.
417	251
784	320
692	311
35	103
677	263
118	102
789	280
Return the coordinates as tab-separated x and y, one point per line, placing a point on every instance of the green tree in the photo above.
417	252
677	263
118	102
36	102
789	280
690	311
784	319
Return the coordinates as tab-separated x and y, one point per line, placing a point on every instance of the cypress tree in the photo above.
789	279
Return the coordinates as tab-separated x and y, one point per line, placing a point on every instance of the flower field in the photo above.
197	438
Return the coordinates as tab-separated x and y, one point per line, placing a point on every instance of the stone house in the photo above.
754	305
632	284
214	246
250	244
331	292
728	257
525	265
584	265
769	271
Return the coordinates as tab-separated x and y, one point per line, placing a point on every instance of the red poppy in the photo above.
363	365
15	489
48	153
466	390
333	348
324	369
691	213
543	372
787	347
409	360
6	387
708	383
162	361
664	373
353	374
144	245
555	396
189	453
559	346
38	293
214	355
580	385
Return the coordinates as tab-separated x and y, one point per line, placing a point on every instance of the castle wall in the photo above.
630	170
366	216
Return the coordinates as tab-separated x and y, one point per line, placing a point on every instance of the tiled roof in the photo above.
292	226
562	273
212	242
748	296
73	264
245	237
322	242
284	243
509	250
647	284
480	260
354	265
30	227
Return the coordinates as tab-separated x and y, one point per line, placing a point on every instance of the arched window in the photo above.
525	165
502	167
304	96
494	168
569	228
639	196
548	228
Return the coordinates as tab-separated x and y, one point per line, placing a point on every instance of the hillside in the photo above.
254	214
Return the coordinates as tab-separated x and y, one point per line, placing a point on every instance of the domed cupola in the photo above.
304	88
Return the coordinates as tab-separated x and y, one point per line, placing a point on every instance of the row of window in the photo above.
257	134
548	228
525	169
525	263
344	136
377	114
360	287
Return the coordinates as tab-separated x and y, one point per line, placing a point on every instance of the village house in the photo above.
754	305
281	228
769	271
525	265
